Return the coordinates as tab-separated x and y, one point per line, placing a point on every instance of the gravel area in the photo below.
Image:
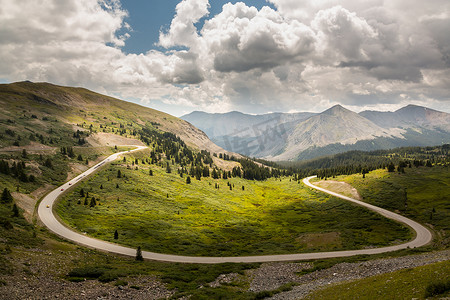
223	279
45	287
271	276
352	271
39	274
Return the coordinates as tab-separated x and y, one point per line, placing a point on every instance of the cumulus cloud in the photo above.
182	31
242	38
302	55
342	32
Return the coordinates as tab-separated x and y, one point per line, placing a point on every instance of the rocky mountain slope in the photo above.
308	135
410	116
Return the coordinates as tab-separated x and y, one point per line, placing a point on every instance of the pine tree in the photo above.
82	192
391	167
116	235
139	254
15	211
93	202
119	174
188	180
6	196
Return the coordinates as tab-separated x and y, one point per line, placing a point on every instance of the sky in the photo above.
250	56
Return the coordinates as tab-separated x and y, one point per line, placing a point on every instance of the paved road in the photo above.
423	235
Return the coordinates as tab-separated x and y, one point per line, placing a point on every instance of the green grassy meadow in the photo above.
417	283
422	194
162	213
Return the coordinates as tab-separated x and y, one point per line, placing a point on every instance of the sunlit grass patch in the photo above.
162	213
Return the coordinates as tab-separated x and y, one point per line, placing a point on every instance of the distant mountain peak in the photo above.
411	107
337	110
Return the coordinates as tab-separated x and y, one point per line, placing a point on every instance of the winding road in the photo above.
45	213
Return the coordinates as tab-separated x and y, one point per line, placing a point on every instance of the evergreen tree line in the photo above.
7	199
354	162
17	170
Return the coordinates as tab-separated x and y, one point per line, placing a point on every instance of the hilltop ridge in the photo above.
74	105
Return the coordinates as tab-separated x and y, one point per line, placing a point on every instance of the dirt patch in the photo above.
320	240
226	165
40	192
76	127
31	148
75	170
339	187
34	167
26	203
109	139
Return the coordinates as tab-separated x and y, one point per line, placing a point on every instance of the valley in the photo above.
232	217
181	194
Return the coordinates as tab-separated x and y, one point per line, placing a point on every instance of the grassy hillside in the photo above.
418	283
56	111
420	193
163	213
49	133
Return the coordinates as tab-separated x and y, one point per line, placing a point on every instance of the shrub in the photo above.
437	288
108	276
120	282
91	272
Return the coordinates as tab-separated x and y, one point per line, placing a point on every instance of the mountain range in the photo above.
298	136
41	109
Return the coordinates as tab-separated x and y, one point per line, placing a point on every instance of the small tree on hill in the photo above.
116	235
139	254
391	167
15	210
6	196
188	179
